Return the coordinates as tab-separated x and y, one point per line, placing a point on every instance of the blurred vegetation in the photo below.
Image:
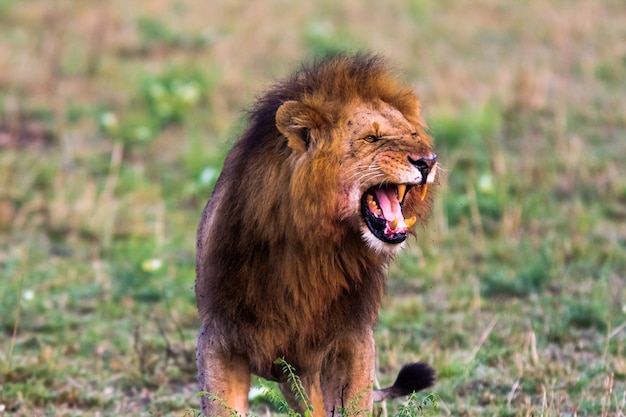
114	121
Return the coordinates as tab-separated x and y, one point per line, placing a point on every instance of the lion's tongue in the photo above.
392	212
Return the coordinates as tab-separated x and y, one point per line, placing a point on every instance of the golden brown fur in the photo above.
286	266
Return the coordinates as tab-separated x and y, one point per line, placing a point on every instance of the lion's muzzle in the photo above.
382	205
424	165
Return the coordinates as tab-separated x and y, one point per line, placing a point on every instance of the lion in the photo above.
315	198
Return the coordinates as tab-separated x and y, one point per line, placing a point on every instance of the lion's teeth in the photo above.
423	194
372	204
393	224
401	192
410	222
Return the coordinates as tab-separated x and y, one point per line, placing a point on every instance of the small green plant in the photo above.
192	412
296	386
171	96
428	406
278	401
162	100
352	409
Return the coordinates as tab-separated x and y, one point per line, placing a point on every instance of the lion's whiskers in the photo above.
363	175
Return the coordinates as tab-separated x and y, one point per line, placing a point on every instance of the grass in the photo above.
115	117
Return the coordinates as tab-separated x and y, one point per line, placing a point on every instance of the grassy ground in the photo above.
114	119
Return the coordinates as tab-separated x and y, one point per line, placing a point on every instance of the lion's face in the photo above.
389	164
383	164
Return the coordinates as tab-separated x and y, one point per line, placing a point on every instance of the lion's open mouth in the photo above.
381	208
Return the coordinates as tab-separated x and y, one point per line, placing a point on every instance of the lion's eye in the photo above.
371	138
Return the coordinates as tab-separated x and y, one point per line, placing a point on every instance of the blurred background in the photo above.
114	120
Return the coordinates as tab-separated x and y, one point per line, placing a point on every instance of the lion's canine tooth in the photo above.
423	194
401	192
393	224
410	222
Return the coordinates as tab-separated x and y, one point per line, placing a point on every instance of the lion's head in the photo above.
358	150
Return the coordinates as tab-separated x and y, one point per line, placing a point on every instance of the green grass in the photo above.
114	121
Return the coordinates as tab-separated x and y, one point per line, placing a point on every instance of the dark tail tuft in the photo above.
414	377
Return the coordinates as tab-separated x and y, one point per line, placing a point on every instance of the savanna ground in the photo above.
115	117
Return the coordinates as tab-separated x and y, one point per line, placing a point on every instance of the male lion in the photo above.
315	198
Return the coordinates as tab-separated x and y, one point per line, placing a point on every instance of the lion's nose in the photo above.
424	165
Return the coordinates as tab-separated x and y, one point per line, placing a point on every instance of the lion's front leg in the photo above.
225	377
348	376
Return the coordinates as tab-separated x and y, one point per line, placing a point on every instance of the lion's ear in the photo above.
295	121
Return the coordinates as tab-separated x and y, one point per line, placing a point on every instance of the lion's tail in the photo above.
412	377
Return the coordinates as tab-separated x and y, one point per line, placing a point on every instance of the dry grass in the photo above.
515	292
